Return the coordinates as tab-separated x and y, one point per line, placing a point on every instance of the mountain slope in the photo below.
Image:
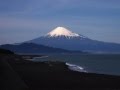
35	48
65	39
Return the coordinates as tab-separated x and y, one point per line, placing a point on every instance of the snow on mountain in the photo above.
61	31
63	38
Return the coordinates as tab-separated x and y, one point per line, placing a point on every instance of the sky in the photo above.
22	20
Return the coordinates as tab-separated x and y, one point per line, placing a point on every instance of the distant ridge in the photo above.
35	48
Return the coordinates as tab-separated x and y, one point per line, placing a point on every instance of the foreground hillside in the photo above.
20	74
4	51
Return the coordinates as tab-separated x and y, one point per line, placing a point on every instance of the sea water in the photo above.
95	63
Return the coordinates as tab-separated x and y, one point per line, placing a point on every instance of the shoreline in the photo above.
74	67
50	75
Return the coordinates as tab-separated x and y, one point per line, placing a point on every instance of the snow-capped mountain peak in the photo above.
61	31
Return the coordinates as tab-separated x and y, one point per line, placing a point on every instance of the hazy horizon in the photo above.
22	20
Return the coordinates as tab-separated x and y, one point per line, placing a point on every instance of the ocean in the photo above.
94	63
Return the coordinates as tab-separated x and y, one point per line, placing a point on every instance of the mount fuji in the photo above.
63	38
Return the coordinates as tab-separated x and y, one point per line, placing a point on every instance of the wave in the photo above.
75	67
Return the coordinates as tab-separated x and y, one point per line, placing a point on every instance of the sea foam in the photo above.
75	67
